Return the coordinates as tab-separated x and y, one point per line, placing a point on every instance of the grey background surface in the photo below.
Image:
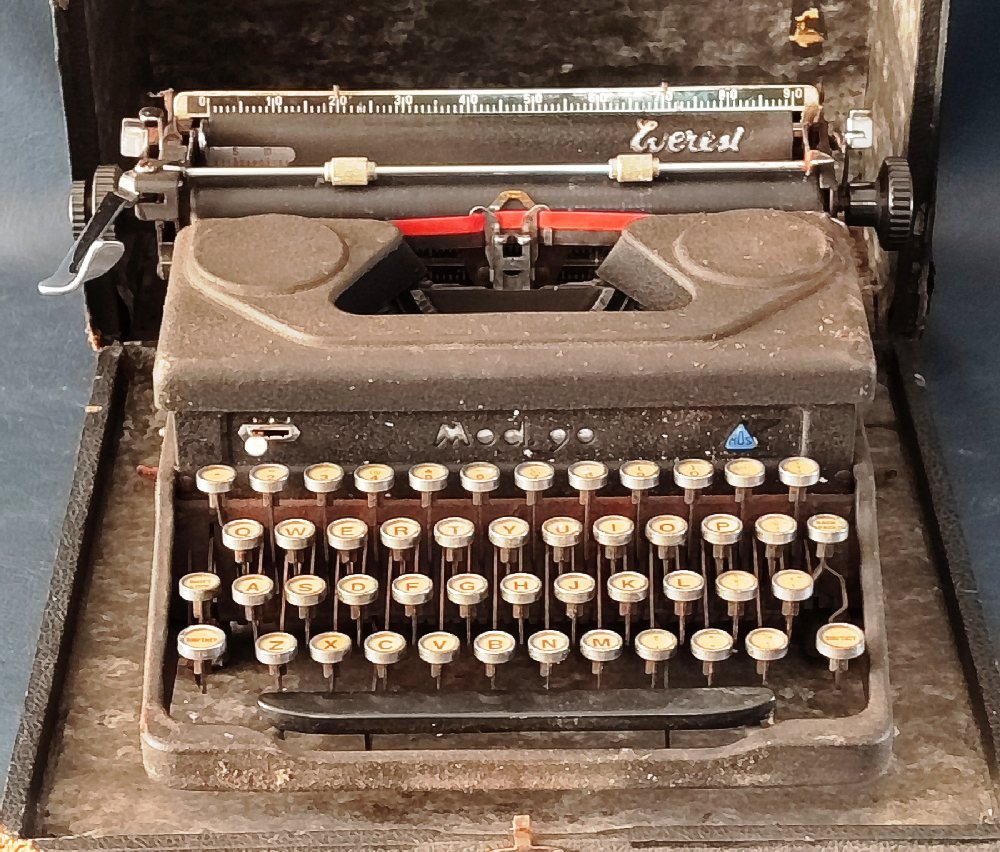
46	366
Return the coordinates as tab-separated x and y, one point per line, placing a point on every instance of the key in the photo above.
775	531
520	590
840	642
454	535
744	475
438	649
825	531
509	535
765	645
295	536
656	646
684	588
412	591
401	536
467	590
494	648
722	532
305	591
374	480
215	480
600	646
200	589
268	479
201	644
323	479
628	588
736	588
694	476
252	592
428	479
574	589
799	474
383	649
613	534
534	479
640	477
667	533
330	649
347	537
276	651
357	591
479	479
562	535
791	587
548	648
587	478
242	537
711	646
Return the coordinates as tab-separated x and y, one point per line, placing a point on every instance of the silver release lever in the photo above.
92	254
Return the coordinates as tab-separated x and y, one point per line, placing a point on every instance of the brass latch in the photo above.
523	841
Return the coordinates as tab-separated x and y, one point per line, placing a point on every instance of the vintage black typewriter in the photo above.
518	419
508	429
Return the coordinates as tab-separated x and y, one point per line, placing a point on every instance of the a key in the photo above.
575	589
656	646
562	535
269	480
684	588
509	535
330	649
494	648
454	536
479	479
668	534
215	480
438	649
323	479
202	645
242	537
799	473
467	591
252	592
306	592
548	648
775	531
383	649
428	479
627	589
723	532
600	646
276	651
400	536
347	537
711	646
694	476
534	479
736	588
765	645
826	531
520	590
374	481
587	478
200	588
640	477
791	587
744	475
613	534
357	591
294	536
840	642
412	591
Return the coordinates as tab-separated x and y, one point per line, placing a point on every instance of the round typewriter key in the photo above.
533	478
639	475
252	591
614	530
666	531
374	479
428	478
323	478
467	590
509	533
242	537
454	533
346	535
826	530
383	649
561	532
744	475
840	642
215	480
412	590
438	649
201	644
798	473
329	649
400	534
199	588
574	589
548	648
765	645
683	588
711	646
305	591
268	478
494	648
294	535
600	646
655	646
276	650
693	475
479	479
587	476
628	588
791	587
520	590
721	530
357	590
736	588
775	529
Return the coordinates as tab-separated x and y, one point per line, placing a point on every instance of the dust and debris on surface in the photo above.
95	782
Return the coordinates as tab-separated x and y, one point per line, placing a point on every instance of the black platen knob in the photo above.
885	204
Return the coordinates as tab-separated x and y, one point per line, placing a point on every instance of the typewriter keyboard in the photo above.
434	601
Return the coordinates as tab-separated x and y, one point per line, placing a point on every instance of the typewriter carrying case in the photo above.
713	318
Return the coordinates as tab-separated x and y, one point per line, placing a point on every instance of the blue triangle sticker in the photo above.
740	440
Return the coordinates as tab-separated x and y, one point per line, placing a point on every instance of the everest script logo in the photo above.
649	139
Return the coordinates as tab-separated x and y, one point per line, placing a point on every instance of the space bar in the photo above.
495	712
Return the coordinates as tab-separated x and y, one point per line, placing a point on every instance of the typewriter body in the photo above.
513	436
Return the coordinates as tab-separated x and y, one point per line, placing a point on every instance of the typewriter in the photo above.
513	436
